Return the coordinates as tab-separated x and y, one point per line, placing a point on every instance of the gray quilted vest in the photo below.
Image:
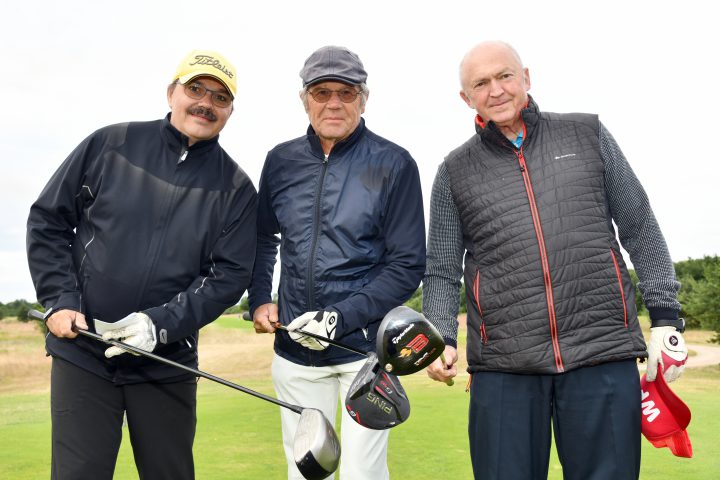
547	288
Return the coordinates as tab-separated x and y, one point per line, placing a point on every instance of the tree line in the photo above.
699	296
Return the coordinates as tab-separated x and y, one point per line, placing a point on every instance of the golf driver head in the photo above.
316	448
376	399
407	342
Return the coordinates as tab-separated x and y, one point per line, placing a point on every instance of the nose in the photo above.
207	98
495	88
334	101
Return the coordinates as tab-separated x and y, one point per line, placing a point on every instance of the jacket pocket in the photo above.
476	297
620	285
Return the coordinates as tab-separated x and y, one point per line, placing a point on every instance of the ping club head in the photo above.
407	342
376	399
316	448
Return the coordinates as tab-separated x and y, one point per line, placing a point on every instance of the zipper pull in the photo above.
183	155
326	159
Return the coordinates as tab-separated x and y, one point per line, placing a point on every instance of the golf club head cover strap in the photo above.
666	347
323	323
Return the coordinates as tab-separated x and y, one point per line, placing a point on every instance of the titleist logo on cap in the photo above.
213	62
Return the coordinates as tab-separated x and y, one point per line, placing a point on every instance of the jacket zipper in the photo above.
543	259
622	291
476	294
172	195
316	234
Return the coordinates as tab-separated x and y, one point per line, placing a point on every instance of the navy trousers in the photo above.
87	416
593	411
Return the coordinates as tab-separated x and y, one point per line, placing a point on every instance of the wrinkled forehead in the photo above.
487	60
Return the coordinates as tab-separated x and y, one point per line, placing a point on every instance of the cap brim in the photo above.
332	78
678	443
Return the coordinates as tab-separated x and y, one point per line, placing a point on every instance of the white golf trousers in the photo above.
364	451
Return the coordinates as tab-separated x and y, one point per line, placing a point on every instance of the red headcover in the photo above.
665	417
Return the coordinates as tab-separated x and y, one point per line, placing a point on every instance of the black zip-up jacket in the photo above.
134	220
352	237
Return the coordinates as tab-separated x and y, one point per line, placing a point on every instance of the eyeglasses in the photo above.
323	95
219	98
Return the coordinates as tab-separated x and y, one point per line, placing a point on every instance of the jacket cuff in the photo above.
450	342
66	301
657	313
158	317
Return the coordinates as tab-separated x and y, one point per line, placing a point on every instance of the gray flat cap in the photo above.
333	63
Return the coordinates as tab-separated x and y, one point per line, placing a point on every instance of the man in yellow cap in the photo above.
145	234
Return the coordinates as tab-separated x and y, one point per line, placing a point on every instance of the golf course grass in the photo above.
238	436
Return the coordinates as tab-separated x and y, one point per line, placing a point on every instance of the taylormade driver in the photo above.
376	399
316	447
407	342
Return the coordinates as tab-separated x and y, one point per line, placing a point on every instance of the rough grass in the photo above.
239	436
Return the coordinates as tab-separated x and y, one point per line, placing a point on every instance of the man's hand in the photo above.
138	332
444	371
320	323
667	348
62	323
265	317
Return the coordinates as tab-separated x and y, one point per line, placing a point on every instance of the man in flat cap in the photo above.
146	233
347	206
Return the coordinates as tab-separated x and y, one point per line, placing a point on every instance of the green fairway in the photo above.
238	436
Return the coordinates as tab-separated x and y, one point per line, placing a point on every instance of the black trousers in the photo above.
87	417
594	412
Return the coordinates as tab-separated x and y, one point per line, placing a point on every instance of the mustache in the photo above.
203	112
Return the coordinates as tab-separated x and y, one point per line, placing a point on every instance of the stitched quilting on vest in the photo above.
547	291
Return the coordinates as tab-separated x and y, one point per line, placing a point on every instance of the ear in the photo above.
170	92
466	99
526	78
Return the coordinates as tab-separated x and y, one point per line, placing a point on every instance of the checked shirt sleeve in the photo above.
639	232
441	285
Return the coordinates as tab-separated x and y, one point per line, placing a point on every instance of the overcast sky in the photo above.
647	68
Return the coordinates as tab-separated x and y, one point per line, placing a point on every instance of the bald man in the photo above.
552	331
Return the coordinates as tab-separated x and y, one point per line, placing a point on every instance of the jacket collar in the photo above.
339	147
178	141
490	132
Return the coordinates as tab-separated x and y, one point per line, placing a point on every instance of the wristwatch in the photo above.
679	324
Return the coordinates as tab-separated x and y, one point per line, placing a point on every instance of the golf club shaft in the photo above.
199	373
323	339
279	326
449	382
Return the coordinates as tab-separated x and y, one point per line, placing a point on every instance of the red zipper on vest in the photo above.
476	294
622	292
543	259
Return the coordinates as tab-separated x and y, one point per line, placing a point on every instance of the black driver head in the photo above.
407	342
376	399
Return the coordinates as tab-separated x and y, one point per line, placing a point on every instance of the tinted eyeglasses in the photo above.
323	95
219	98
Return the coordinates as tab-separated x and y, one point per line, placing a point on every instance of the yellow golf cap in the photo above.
207	63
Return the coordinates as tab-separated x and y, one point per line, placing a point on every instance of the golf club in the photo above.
316	448
407	342
376	399
396	357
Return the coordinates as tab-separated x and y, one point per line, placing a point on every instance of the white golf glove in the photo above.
138	331
320	323
667	348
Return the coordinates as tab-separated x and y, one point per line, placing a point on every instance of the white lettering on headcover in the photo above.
402	334
648	408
